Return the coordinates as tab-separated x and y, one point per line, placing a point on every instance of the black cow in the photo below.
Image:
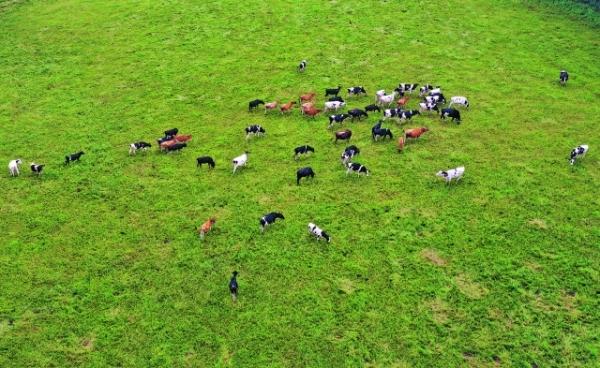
252	105
176	147
358	90
336	98
37	168
349	153
357	114
302	66
564	77
372	108
304	172
450	113
73	157
171	133
233	286
268	219
205	160
357	168
332	91
302	150
381	132
337	119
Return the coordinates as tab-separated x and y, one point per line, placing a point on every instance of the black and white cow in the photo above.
459	100
240	161
564	77
177	147
357	168
450	113
233	286
392	113
37	169
73	157
357	90
336	99
407	115
318	232
428	106
332	91
436	98
452	174
205	160
408	87
302	66
302	150
269	219
349	153
304	172
578	152
339	118
134	147
377	133
425	89
254	130
357	114
169	134
372	108
252	105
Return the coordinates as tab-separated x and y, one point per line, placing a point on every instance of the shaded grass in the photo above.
100	262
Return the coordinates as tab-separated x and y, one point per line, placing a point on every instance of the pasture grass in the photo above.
100	262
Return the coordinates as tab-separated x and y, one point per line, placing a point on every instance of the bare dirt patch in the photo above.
432	256
469	287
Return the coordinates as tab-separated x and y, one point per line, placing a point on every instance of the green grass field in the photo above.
100	264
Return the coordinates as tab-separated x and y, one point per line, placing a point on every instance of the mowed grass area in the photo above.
100	264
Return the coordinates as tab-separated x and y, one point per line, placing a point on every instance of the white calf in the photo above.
450	174
13	167
333	105
386	99
459	100
240	161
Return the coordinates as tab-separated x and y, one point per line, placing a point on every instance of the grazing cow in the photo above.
415	133
312	112
252	105
270	106
349	153
302	66
428	106
240	161
435	98
73	157
407	115
450	113
176	147
134	147
355	91
302	150
332	91
181	138
13	167
564	77
459	100
334	105
269	219
337	119
166	144
318	232
287	107
171	132
357	168
164	139
436	91
403	101
372	108
306	106
307	97
391	113
407	87
376	133
206	227
401	141
336	98
425	89
205	160
386	99
577	152
35	168
357	114
343	135
233	286
450	174
254	130
304	172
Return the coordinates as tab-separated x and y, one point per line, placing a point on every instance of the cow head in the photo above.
442	174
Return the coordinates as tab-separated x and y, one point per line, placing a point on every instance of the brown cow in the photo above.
287	107
307	97
415	133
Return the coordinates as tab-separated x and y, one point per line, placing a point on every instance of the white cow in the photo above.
450	174
386	99
13	167
318	232
459	100
333	105
240	161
